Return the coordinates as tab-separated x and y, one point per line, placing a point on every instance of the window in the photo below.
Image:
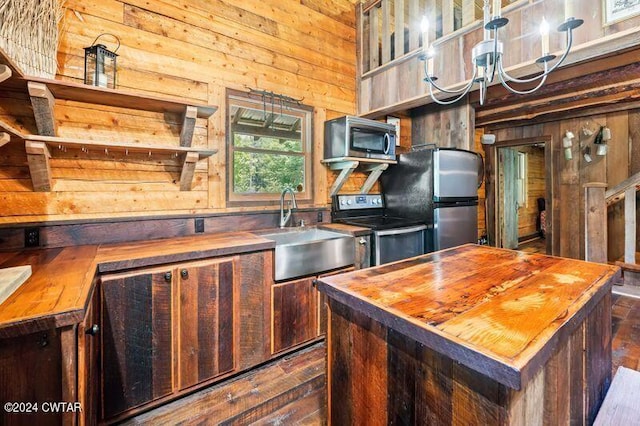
269	149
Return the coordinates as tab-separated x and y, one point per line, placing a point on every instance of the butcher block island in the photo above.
470	335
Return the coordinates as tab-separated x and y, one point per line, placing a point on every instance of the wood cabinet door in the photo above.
206	324
88	366
136	339
31	372
295	313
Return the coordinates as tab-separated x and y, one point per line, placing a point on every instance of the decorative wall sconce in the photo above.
100	64
567	143
604	135
568	155
567	140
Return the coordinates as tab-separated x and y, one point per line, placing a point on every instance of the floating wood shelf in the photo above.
43	94
38	155
347	165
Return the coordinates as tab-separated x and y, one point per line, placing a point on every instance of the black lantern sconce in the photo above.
100	64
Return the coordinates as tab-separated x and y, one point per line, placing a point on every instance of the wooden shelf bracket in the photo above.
375	170
43	104
5	73
4	138
38	156
347	165
188	125
188	170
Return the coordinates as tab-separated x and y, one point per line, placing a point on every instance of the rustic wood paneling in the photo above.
521	44
295	313
191	49
206	321
136	341
413	384
569	176
25	360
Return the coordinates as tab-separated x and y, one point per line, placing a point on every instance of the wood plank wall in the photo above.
622	161
528	214
191	49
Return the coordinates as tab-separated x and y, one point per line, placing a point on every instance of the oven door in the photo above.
397	244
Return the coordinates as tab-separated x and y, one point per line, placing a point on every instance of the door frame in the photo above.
491	186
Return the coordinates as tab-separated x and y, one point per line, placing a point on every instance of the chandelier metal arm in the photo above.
452	101
452	92
523	92
546	72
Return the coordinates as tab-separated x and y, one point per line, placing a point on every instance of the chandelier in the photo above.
487	56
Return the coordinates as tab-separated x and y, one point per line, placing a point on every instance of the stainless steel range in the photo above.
394	238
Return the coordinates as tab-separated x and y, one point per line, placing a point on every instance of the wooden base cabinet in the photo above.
137	350
299	312
164	330
295	314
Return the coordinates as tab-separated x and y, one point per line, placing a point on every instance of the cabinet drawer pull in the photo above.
184	273
167	276
93	330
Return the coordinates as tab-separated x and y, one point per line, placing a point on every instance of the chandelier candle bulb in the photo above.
544	33
424	27
497	4
568	9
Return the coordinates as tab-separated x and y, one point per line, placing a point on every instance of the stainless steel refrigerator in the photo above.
440	187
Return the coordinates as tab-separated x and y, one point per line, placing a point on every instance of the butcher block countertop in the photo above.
62	279
498	312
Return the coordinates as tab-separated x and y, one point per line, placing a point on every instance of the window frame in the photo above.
305	112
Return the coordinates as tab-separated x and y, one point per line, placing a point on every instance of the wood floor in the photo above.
626	332
538	245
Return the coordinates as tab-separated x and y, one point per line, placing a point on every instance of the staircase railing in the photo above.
597	198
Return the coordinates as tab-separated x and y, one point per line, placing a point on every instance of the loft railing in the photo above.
391	28
597	198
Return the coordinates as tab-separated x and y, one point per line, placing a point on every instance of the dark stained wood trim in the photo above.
110	231
492	182
567	90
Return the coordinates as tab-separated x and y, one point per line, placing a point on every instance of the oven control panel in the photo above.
359	201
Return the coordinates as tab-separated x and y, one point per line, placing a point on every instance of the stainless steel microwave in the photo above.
350	136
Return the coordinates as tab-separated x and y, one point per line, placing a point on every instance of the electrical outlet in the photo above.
199	225
319	217
32	237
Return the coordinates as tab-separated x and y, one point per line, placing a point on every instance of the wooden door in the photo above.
509	205
206	325
295	313
88	365
136	339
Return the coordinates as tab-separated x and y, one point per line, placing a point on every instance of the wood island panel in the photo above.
470	335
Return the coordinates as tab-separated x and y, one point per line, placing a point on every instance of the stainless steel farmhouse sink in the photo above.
309	251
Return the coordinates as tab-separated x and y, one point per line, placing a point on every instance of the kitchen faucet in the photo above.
292	205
